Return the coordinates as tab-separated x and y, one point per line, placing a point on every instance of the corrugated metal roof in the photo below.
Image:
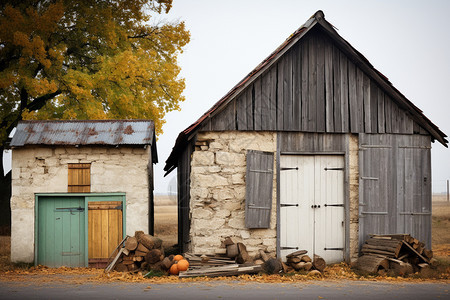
92	132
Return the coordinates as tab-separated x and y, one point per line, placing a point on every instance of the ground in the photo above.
166	229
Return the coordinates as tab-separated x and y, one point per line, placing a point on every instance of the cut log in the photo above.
120	267
307	266
305	258
228	241
417	253
428	253
153	256
149	241
166	263
272	266
232	250
297	253
264	255
142	248
319	263
294	260
140	253
131	243
259	262
400	268
243	256
371	263
299	266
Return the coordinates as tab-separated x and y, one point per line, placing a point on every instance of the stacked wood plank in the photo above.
401	254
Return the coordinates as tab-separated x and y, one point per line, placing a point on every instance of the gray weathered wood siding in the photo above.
183	177
395	185
259	187
313	87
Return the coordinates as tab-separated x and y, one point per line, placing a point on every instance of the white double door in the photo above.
312	205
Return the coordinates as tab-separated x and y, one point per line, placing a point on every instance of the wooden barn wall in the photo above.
314	87
298	142
183	177
395	185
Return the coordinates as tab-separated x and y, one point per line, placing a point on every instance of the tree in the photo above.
87	59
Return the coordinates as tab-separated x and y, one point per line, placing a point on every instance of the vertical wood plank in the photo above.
287	92
280	94
367	102
265	101
249	107
104	233
374	106
312	85
353	100
296	87
329	92
258	109
320	108
241	112
344	92
380	111
305	85
359	100
90	234
388	113
273	99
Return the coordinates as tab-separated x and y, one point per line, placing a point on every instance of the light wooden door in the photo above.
105	228
312	205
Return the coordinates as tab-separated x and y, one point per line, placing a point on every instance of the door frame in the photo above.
345	154
88	197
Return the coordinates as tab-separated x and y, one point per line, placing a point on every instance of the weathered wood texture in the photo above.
259	183
313	87
183	177
395	185
312	142
104	227
79	178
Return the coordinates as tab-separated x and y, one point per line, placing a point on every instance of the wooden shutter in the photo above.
259	184
79	178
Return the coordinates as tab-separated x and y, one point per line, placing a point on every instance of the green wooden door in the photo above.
61	231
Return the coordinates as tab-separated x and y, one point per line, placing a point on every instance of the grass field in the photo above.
166	221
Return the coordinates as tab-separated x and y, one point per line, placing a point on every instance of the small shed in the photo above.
314	149
78	187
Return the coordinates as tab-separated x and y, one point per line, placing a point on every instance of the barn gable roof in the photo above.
86	133
317	20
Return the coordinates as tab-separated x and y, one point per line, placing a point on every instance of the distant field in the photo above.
166	219
440	236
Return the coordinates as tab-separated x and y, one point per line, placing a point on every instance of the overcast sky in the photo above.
407	41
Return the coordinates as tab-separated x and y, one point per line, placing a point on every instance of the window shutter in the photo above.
79	178
259	184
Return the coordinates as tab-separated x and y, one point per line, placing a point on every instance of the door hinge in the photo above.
338	205
333	248
334	169
285	169
284	205
288	248
69	209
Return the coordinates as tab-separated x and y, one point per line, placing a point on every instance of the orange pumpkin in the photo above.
183	265
174	269
177	257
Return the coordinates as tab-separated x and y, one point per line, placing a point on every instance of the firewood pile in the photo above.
140	252
300	261
400	254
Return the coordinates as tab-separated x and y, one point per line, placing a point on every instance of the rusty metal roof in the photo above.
91	132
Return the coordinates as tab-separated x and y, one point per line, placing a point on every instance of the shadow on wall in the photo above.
5	207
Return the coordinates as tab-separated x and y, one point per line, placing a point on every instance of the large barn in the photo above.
78	188
314	149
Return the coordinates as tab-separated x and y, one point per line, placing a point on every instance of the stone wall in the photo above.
44	170
218	170
354	196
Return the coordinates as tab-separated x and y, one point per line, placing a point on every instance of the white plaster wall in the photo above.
218	170
44	170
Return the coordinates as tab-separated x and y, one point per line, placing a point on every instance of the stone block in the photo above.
236	222
230	159
216	146
269	242
199	192
239	192
213	180
202	158
223	213
201	213
237	179
232	205
244	234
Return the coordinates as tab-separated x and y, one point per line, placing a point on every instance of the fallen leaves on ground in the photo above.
42	274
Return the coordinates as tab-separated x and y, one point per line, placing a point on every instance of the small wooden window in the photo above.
259	183
79	178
